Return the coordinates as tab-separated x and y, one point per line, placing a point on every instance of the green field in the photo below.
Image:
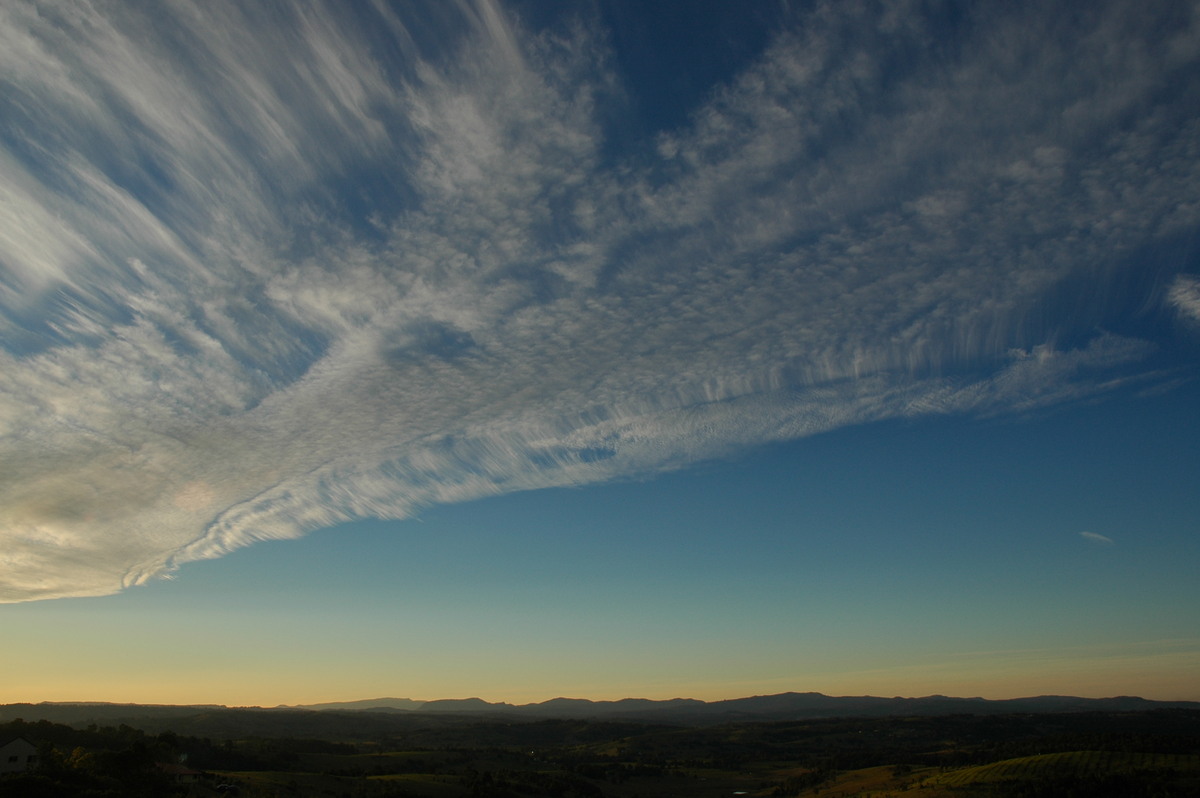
1079	764
1085	774
1073	755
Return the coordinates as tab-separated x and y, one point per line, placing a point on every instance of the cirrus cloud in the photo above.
264	271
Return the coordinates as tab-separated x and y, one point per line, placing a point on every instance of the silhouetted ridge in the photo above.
780	707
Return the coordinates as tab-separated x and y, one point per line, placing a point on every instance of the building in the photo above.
17	756
181	774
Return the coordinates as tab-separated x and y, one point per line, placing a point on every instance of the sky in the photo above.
598	349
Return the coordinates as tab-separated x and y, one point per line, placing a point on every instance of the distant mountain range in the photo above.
781	707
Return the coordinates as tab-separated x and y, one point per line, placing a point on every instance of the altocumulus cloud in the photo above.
267	268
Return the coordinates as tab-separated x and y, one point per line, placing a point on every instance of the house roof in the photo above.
17	740
177	770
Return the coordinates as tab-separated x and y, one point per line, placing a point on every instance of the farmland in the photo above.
1151	754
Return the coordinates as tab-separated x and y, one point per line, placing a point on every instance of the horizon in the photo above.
522	348
542	700
370	703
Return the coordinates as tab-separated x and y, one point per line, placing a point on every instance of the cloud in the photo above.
1094	537
1184	296
265	271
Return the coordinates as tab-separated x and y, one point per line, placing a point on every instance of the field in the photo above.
1088	755
1086	773
1083	773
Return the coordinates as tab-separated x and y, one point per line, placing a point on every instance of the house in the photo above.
17	756
181	774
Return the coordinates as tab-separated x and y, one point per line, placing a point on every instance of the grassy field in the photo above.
1075	769
1075	764
1070	770
1114	755
1079	767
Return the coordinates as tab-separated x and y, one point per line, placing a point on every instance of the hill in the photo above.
687	711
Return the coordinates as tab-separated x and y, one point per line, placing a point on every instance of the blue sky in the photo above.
598	349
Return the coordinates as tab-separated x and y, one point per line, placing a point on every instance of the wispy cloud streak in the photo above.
1185	297
263	270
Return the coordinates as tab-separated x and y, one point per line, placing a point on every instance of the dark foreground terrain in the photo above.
217	751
